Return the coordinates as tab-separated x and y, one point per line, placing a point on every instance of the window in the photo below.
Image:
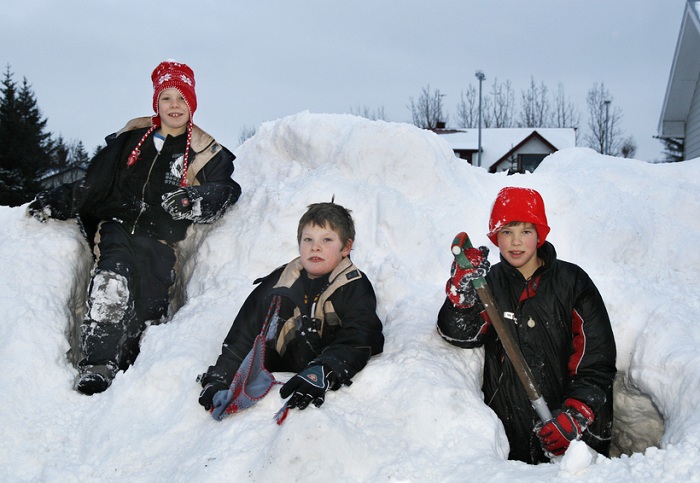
529	162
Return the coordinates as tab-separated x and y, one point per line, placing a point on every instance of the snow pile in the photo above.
415	413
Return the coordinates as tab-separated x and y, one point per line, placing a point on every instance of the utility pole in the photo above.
606	135
479	75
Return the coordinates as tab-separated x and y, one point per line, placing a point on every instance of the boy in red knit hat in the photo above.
155	177
559	320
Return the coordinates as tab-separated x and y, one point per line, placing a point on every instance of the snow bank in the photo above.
415	413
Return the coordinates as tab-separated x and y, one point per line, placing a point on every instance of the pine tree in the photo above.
26	148
673	149
79	156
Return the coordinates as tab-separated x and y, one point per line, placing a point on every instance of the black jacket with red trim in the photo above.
561	324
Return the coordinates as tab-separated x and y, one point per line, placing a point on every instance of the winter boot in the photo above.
95	378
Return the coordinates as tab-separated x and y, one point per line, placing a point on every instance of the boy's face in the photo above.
321	250
173	112
518	245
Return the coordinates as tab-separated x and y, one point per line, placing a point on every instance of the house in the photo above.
680	112
515	150
57	177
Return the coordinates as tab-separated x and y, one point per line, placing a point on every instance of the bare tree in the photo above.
366	112
246	133
427	112
564	113
628	148
502	106
534	106
468	108
605	134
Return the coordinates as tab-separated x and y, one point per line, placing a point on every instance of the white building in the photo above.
680	113
516	150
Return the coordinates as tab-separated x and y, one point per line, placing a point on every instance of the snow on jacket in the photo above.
350	330
132	195
561	324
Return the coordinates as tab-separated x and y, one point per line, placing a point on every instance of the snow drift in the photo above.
415	413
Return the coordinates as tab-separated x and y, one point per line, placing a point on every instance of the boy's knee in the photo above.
109	299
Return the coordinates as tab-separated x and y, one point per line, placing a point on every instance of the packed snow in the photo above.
415	413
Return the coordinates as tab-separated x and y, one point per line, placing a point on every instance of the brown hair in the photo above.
334	216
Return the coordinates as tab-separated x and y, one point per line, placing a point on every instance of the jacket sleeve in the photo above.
591	364
245	328
67	200
217	189
58	202
464	328
359	336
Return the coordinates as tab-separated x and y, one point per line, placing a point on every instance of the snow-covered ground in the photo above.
415	412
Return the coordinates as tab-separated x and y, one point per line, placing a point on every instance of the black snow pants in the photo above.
130	285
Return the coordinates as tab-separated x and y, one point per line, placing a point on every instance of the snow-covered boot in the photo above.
95	378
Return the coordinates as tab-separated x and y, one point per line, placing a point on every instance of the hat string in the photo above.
136	153
134	156
185	162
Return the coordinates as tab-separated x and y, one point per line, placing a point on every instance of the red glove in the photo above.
459	288
566	425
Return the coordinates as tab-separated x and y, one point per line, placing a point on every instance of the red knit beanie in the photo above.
518	204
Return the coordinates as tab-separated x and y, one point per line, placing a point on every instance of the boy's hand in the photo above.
183	203
459	288
207	394
309	386
220	402
567	425
39	208
177	203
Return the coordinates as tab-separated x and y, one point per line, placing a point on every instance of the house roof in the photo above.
685	71
499	142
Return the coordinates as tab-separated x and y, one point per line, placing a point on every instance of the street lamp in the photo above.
606	134
479	75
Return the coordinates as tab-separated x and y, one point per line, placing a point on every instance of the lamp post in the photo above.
606	134
479	75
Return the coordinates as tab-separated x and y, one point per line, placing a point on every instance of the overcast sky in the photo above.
89	61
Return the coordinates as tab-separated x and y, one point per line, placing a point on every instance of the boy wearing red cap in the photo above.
154	178
558	319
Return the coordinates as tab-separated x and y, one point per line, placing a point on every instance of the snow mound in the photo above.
415	413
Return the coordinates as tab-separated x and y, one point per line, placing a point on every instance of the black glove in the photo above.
459	288
207	394
307	330
183	204
39	208
309	386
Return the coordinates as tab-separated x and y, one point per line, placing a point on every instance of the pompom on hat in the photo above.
518	204
171	74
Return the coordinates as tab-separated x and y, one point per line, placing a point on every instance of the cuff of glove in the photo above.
580	411
459	298
330	374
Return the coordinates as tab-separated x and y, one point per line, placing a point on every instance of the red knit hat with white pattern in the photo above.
171	74
518	204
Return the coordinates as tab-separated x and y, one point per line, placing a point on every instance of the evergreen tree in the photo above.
26	149
61	154
79	156
673	149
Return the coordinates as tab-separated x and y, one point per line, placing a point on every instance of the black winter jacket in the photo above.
350	330
563	330
132	195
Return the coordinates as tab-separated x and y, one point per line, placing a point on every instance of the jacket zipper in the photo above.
143	194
